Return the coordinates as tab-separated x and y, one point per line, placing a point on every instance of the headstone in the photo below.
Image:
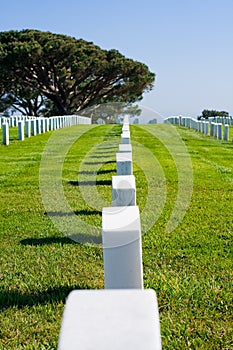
33	127
58	122
226	132
193	124
124	163
28	128
5	134
4	120
123	147
42	123
51	120
38	126
215	130
12	121
219	131
125	127
211	129
125	137
123	190
202	127
110	320
46	121
122	251
21	130
62	122
54	123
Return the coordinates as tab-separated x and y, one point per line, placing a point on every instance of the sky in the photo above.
188	44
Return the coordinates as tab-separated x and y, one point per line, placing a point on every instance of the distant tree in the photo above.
132	111
64	75
106	112
25	101
111	113
153	121
206	113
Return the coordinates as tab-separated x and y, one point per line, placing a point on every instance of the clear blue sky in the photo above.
187	43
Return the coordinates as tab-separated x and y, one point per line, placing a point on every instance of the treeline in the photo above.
42	73
206	113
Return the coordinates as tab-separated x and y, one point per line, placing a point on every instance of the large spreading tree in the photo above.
42	72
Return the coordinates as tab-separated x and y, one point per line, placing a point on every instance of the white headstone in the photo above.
123	190
124	163
46	121
125	127
28	128
122	251
58	120
215	129
219	131
123	147
12	121
226	132
211	129
33	126
51	120
5	134
54	123
42	123
38	126
110	320
21	130
125	137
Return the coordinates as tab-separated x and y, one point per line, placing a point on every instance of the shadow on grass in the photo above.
107	147
99	172
47	240
78	238
107	171
91	183
93	163
51	295
71	213
106	152
101	156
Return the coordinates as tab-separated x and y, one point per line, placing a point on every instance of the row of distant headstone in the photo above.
32	126
216	127
123	315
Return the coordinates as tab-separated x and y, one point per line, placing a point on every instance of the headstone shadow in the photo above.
11	298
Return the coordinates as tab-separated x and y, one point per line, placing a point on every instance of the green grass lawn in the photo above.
189	267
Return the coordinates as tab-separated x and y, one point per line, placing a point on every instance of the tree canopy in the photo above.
112	112
42	72
207	113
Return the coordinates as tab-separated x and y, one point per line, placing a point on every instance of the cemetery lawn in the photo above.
190	267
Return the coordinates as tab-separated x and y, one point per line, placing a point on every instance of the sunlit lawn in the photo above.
190	268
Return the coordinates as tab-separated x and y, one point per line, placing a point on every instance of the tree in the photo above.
111	112
72	74
25	101
153	121
206	113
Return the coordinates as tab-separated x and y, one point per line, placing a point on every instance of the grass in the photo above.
190	267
